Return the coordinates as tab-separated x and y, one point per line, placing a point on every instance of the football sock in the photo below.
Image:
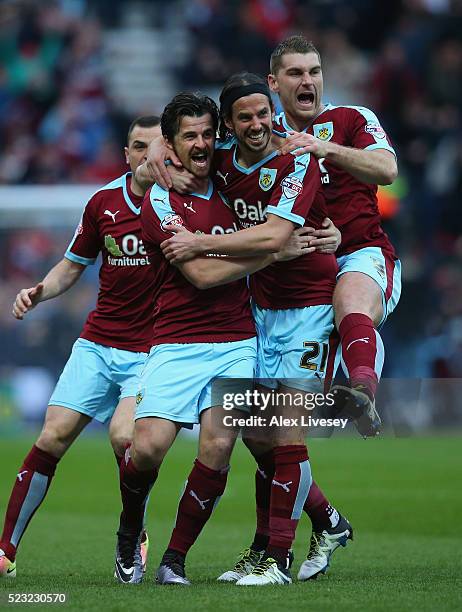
321	513
263	477
289	490
201	494
135	486
359	352
29	490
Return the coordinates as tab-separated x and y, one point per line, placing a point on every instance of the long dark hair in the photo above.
237	86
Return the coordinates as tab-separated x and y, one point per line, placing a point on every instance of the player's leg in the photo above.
138	472
203	489
71	407
159	415
233	365
126	368
306	363
121	427
289	489
121	430
34	477
368	289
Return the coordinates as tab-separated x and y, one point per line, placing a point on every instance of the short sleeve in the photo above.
366	131
156	213
294	194
86	243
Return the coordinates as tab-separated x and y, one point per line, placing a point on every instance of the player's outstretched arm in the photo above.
58	280
377	167
269	237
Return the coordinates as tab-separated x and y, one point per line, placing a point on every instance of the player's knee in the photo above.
54	441
216	452
119	442
148	454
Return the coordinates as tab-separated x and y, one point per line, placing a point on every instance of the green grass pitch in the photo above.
402	495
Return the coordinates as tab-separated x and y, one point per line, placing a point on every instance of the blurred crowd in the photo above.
401	58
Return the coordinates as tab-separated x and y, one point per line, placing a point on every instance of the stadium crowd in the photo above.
403	59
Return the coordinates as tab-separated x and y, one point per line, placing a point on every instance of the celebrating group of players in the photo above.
175	312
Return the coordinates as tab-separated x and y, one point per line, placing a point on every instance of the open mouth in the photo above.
306	98
256	138
200	159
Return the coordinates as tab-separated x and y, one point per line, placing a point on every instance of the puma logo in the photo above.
111	214
365	340
223	176
189	206
200	501
20	475
284	485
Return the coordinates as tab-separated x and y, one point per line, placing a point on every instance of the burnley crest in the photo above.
324	131
267	178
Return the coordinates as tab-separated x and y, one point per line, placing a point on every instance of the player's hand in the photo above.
301	143
26	300
158	153
182	246
327	239
183	181
297	245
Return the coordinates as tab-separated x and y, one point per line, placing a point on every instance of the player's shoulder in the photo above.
160	198
350	111
291	162
280	125
225	144
106	191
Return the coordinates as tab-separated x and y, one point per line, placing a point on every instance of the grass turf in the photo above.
401	494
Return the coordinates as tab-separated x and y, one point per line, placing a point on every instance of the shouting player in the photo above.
100	378
354	155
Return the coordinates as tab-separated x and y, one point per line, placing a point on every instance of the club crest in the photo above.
267	178
324	131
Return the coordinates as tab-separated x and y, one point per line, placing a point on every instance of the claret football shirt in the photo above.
288	187
351	204
111	225
183	313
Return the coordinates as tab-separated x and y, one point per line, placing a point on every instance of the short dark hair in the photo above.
236	82
146	121
186	105
293	44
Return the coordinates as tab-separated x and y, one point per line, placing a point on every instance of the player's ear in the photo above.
229	124
168	144
126	155
273	83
